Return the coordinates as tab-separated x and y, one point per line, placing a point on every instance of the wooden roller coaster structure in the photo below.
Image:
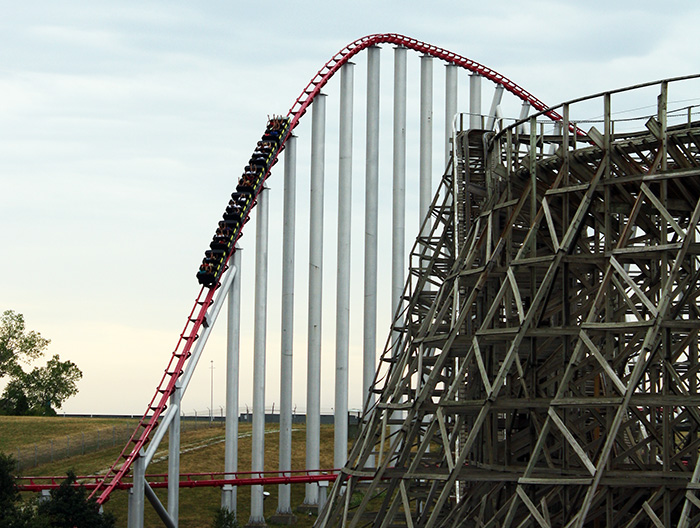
547	372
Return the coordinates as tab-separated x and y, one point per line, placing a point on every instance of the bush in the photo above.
9	496
224	518
13	512
70	507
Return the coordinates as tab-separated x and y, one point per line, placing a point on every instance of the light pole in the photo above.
211	406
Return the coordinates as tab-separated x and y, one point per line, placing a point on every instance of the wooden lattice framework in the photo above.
544	369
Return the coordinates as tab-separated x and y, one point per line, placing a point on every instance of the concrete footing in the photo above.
283	518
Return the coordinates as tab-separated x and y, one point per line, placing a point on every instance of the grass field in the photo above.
20	431
202	451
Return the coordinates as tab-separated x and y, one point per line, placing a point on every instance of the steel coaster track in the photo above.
197	318
189	480
183	350
348	52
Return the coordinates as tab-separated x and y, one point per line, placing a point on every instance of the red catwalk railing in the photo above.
197	316
189	480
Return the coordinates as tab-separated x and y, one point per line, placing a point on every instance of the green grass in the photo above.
197	506
22	431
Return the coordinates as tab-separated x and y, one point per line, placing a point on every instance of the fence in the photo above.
72	445
59	448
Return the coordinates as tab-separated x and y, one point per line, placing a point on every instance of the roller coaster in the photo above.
542	365
217	258
242	201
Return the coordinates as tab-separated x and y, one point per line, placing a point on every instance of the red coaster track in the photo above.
197	315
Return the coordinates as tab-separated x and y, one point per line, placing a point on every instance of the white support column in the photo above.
495	102
398	237
399	184
426	138
257	516
137	492
158	507
524	111
451	91
475	101
174	457
371	224
228	493
284	513
205	332
313	390
342	312
551	148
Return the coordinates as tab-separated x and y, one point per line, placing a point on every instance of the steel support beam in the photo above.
229	493
284	509
205	332
398	238
342	312
371	225
493	111
475	101
168	521
257	516
524	111
137	493
451	98
313	383
174	457
426	139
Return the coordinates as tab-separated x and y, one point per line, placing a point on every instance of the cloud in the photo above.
123	127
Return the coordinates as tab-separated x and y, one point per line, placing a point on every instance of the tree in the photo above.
224	518
49	386
41	390
16	344
8	490
13	512
14	399
68	505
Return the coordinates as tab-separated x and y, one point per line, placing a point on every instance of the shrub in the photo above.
224	518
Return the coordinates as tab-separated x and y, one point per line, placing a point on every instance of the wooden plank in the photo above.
642	297
529	261
516	294
530	506
650	251
617	325
664	212
654	518
568	189
406	504
692	498
603	363
550	224
560	481
572	441
445	439
627	299
480	363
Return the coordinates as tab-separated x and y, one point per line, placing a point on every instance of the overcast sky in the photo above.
124	126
